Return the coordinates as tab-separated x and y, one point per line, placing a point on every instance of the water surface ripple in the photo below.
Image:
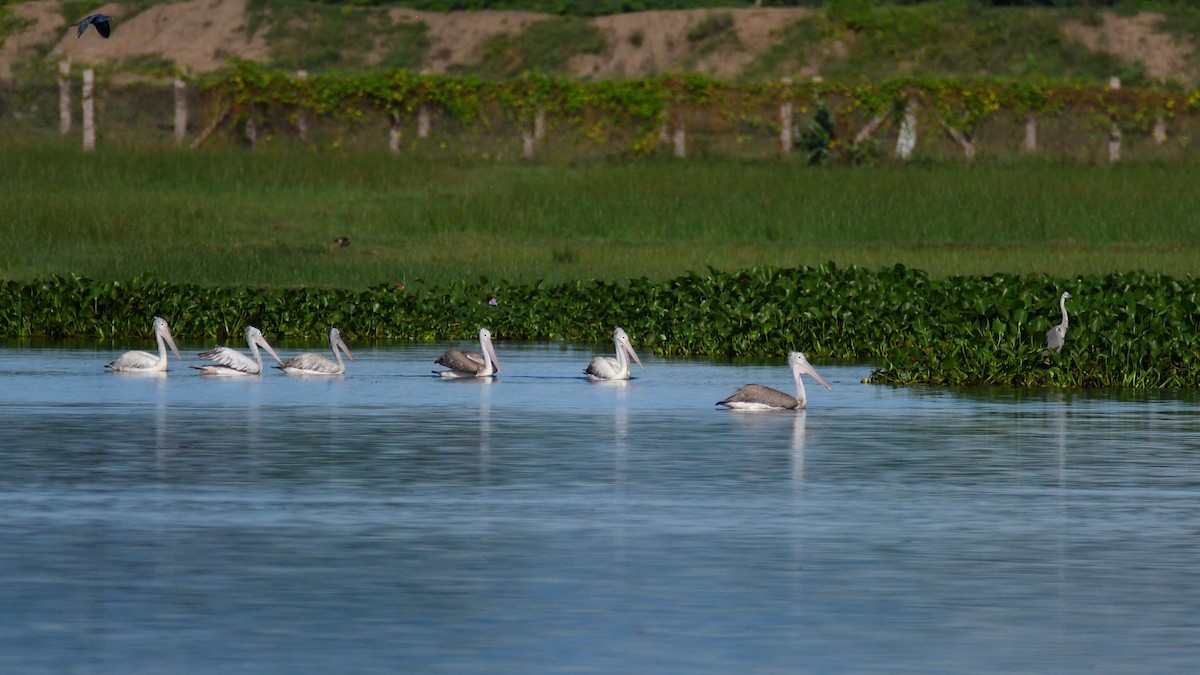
388	520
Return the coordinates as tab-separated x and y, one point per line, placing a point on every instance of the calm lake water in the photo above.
390	521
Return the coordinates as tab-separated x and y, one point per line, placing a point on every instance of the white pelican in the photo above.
232	362
315	364
609	368
758	397
145	362
471	364
1058	334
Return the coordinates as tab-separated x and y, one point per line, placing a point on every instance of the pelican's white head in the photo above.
624	345
255	337
801	366
163	333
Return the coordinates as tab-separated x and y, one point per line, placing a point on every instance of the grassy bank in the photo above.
234	218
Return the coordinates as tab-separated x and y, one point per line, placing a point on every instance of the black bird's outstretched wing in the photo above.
102	23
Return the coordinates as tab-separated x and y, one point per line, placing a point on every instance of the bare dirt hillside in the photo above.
203	34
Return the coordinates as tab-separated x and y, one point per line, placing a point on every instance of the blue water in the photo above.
390	521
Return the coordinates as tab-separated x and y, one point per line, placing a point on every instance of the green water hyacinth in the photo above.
1127	330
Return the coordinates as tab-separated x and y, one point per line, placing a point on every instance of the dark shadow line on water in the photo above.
544	377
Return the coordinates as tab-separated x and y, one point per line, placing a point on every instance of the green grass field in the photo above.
227	217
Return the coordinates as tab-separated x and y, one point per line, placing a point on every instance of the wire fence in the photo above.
174	112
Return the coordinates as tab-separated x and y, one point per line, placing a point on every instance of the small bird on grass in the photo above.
102	22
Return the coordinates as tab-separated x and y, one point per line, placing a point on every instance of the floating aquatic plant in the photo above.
1127	330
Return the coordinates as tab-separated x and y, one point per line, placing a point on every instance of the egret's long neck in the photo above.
1062	304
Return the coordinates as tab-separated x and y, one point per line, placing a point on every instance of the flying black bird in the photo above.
102	23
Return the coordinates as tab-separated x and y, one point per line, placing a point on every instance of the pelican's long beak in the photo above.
632	354
345	350
171	343
491	351
806	367
262	342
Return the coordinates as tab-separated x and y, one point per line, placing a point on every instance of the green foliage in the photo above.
962	103
1130	330
816	141
317	37
710	27
10	23
73	12
223	216
546	46
405	45
955	38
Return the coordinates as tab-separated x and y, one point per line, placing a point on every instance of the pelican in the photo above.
145	362
315	364
1058	334
609	368
471	364
758	397
232	362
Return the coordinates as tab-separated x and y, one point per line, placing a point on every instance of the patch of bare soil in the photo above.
1137	38
646	43
202	35
459	38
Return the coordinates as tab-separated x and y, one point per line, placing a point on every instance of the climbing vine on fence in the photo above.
960	103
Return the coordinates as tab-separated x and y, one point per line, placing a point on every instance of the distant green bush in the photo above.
1130	330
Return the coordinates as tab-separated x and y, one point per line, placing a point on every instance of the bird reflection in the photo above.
160	420
620	428
1060	426
485	427
798	450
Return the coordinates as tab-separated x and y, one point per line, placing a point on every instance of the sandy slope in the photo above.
203	34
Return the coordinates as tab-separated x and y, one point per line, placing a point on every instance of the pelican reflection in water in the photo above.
758	397
468	363
230	362
145	362
316	364
609	368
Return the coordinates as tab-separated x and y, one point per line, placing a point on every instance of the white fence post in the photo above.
395	134
181	107
907	139
530	137
64	97
301	114
1160	130
679	133
89	111
423	114
251	131
786	119
1031	132
1114	131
